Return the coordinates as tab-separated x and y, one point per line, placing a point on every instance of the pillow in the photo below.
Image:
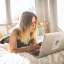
4	46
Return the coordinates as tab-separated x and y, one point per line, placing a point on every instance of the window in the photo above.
2	12
19	6
60	10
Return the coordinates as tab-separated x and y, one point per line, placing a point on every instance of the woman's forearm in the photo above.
25	49
19	50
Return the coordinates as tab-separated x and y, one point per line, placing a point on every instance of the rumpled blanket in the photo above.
26	58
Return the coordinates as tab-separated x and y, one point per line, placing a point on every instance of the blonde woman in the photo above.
22	38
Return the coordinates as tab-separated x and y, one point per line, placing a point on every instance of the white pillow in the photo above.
4	46
3	49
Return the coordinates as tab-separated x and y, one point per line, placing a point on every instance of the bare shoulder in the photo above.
15	31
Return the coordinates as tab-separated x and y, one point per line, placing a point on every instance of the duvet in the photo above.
26	58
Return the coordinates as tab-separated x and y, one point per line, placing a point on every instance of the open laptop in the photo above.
53	42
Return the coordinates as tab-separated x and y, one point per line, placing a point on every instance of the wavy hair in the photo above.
25	22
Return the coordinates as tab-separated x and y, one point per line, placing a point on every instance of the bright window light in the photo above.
60	10
19	6
2	12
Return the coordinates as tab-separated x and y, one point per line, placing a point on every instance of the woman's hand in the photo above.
34	47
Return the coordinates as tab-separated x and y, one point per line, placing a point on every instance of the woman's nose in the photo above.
34	25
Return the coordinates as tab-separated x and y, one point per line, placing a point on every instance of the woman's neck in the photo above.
25	37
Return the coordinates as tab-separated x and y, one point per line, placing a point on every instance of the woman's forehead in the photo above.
33	20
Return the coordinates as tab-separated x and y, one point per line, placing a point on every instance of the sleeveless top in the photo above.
19	43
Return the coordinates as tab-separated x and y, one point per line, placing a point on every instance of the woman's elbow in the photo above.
12	50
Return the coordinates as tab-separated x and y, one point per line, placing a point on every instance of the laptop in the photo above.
52	42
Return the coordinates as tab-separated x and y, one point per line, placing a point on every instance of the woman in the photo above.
22	38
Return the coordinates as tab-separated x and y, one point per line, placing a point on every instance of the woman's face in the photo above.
33	25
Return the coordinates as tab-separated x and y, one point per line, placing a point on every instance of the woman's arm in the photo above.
37	44
25	49
13	44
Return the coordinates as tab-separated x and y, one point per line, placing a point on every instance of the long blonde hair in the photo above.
24	24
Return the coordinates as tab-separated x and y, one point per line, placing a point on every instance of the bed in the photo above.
56	58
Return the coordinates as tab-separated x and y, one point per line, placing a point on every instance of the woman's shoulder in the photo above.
15	31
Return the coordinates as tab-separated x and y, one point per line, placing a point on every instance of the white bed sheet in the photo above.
26	58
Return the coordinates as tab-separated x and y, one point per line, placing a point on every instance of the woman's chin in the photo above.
32	31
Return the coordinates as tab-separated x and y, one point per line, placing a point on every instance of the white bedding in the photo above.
26	58
3	49
12	58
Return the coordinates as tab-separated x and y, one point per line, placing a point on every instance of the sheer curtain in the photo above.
60	10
